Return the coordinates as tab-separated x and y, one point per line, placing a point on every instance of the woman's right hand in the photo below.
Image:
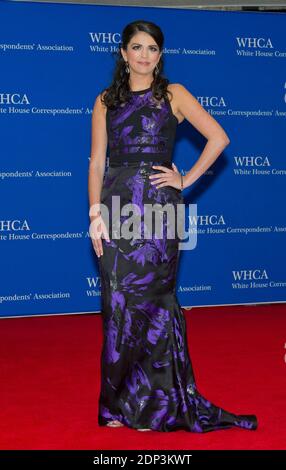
97	231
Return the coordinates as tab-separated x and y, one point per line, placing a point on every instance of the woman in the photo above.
147	380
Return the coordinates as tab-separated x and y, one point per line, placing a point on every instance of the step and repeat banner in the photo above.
55	59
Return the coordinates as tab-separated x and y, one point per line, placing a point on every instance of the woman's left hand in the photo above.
167	178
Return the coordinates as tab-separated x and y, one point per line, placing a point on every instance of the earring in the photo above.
156	71
127	70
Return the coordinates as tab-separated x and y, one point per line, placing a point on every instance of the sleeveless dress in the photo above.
147	379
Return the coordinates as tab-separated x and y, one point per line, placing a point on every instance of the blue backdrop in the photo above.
55	59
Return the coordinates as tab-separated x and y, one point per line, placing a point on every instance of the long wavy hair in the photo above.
119	90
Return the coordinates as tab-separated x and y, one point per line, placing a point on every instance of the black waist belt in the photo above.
130	162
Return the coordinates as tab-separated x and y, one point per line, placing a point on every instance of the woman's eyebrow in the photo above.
138	44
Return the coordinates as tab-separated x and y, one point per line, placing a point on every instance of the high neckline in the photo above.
141	91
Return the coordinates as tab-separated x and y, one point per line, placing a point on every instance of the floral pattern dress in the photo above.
147	379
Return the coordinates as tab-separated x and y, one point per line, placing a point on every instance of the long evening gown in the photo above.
147	380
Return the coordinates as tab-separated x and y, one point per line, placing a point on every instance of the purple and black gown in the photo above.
147	379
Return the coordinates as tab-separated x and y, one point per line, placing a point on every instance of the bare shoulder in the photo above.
179	90
99	105
98	132
188	107
173	86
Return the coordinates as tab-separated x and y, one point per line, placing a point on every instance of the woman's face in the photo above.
142	54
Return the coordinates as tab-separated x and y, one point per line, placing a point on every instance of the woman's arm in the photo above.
97	153
216	137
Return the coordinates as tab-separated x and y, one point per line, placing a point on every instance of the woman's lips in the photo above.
143	63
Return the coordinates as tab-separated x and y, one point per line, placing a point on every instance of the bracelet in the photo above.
182	182
98	213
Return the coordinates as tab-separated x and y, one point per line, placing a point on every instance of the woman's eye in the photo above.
154	49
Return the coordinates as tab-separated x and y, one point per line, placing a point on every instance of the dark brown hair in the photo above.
119	91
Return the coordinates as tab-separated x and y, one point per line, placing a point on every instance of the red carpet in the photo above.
50	381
